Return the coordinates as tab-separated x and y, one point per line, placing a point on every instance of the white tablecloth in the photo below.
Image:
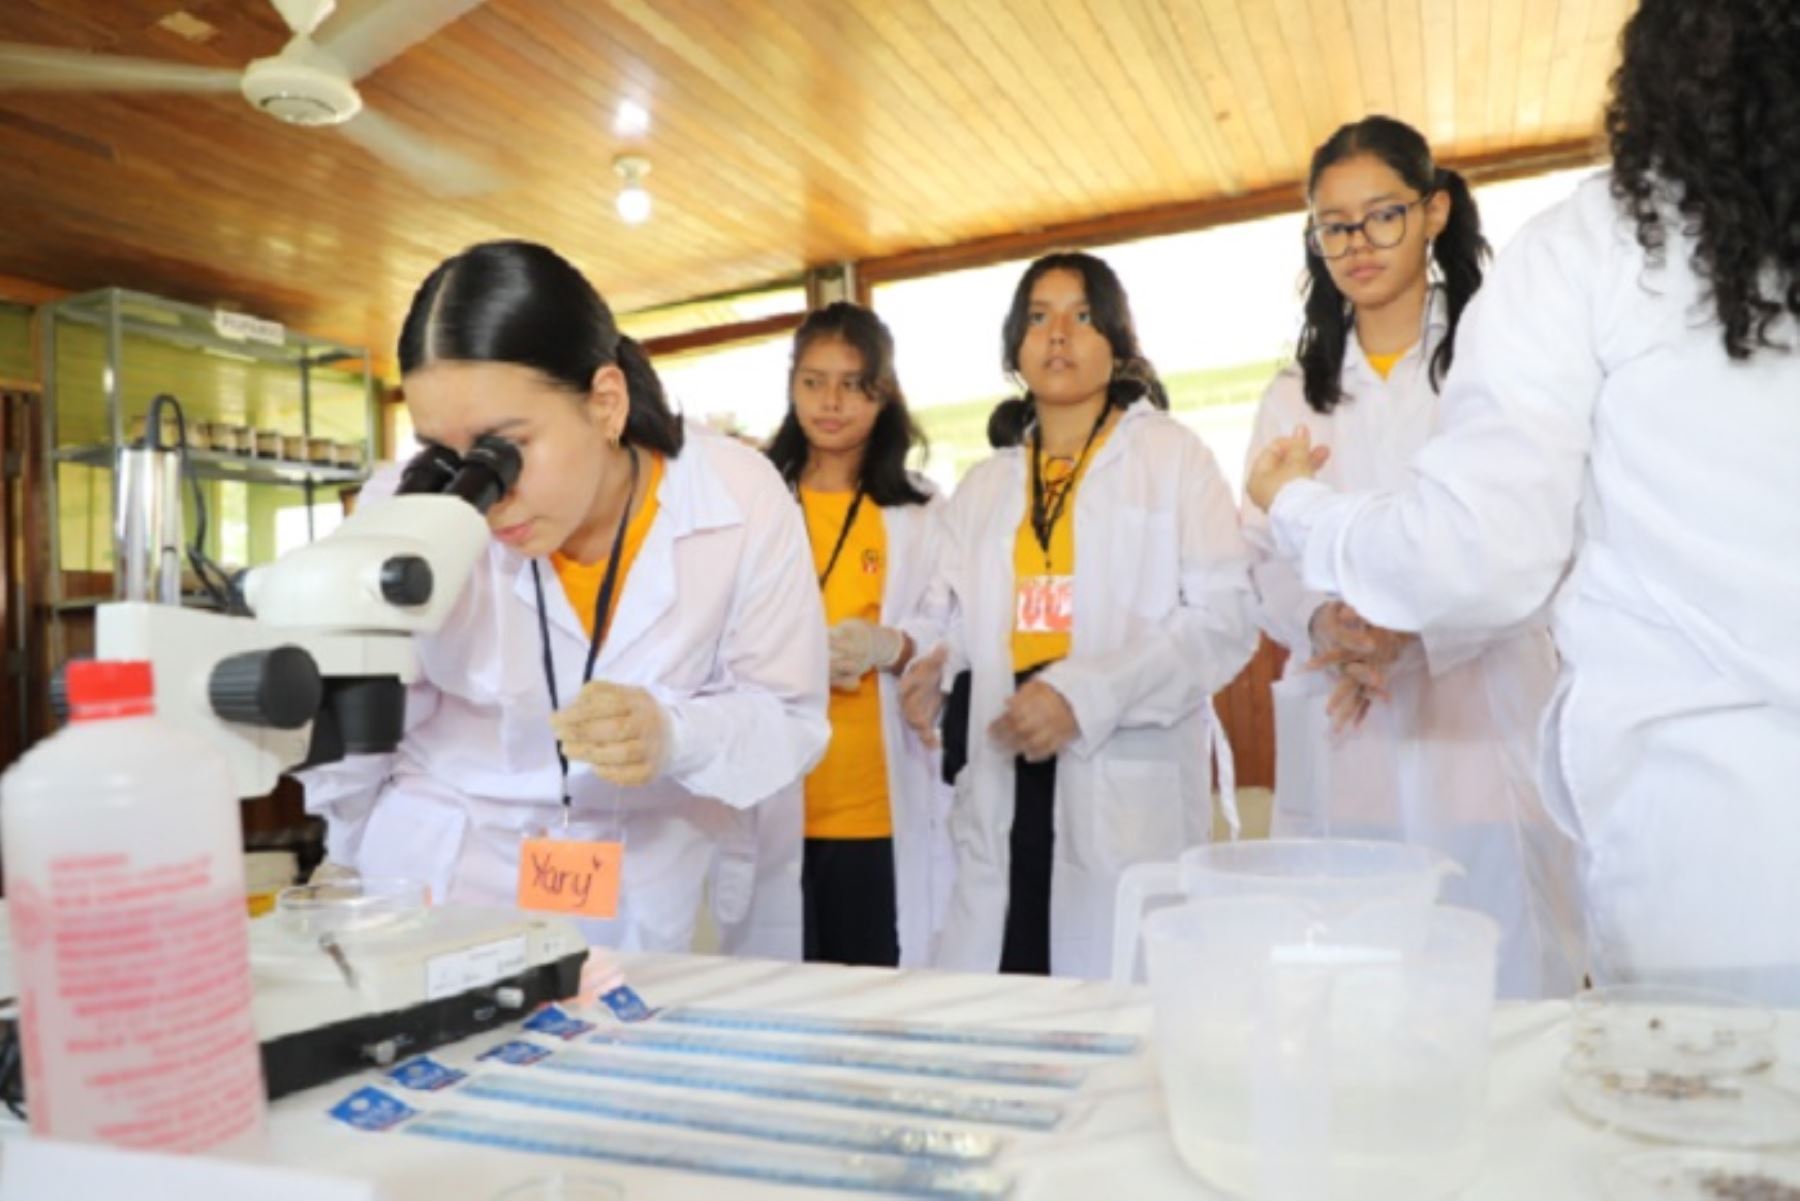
1113	1146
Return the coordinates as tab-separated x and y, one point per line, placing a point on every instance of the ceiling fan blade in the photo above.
386	30
439	171
49	69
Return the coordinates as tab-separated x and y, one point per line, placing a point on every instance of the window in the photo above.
1217	312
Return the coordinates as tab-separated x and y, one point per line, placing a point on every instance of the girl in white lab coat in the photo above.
1619	441
641	651
1381	734
1095	582
876	864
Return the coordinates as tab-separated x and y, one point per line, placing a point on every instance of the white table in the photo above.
1114	1145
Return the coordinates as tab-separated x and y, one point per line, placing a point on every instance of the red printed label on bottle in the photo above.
136	1016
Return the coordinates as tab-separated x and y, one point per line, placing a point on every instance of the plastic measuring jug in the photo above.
1309	1060
1324	876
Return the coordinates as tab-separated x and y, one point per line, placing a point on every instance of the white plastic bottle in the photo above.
125	890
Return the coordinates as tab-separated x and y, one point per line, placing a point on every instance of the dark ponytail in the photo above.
1460	252
1133	377
1007	423
524	304
650	422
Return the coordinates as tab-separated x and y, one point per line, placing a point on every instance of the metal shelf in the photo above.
217	465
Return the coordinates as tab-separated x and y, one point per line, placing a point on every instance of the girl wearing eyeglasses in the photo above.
1425	738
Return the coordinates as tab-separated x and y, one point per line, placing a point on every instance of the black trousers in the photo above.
1033	842
847	893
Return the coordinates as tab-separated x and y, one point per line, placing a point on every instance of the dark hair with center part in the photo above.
524	304
1460	251
1133	377
884	478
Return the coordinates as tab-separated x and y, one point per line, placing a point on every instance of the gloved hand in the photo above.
859	647
922	695
1359	654
1036	723
620	730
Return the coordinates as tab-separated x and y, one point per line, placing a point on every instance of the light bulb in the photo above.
634	204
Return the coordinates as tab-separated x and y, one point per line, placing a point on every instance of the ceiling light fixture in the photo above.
633	202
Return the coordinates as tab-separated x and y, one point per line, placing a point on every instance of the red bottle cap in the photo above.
100	690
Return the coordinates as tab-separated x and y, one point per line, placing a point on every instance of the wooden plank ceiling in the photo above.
783	133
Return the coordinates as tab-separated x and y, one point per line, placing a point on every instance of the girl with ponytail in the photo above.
1382	734
638	658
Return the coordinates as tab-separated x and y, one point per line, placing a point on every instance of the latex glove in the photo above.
1346	643
1348	704
859	647
922	695
619	730
1281	463
1036	723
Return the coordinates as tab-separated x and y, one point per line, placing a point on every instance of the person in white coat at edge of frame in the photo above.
1622	439
1095	582
706	702
877	863
1423	738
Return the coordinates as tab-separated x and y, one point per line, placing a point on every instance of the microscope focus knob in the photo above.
406	580
277	689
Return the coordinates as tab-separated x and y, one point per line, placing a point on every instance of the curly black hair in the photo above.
1704	121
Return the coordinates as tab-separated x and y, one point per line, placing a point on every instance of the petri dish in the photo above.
1704	1176
1684	1031
1714	1109
562	1186
351	906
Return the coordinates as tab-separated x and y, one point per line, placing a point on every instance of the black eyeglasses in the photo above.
1384	228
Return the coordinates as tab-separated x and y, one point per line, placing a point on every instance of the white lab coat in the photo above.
1448	761
1163	618
924	863
720	620
1602	449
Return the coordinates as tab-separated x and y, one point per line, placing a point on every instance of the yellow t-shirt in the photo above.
847	793
1384	363
582	581
1033	648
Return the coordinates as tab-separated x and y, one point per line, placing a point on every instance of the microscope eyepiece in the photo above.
488	472
481	477
431	470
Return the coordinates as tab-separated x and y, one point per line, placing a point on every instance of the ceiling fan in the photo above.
307	82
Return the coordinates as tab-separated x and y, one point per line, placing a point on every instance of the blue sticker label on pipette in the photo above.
517	1053
554	1022
372	1109
626	1005
425	1074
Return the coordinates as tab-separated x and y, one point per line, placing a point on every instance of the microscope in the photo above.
356	973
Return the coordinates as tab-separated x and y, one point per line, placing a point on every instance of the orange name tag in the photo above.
1046	605
577	878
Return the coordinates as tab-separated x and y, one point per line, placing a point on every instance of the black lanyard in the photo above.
602	614
1045	514
843	534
